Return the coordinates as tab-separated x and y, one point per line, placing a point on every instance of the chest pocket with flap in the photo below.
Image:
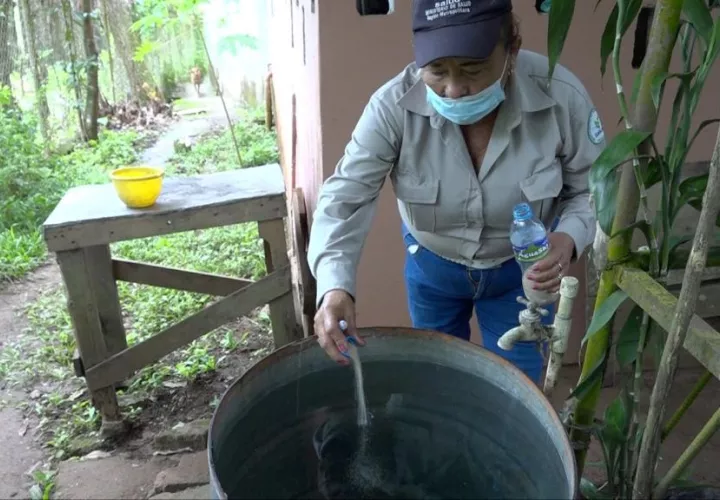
420	198
542	189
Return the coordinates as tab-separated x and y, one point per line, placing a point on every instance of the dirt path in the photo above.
191	125
20	453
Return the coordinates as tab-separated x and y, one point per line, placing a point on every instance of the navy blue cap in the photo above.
457	28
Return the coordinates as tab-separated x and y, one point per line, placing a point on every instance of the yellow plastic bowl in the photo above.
138	187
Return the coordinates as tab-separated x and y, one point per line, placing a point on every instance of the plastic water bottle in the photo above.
530	244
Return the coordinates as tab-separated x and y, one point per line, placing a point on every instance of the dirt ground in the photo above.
20	453
23	451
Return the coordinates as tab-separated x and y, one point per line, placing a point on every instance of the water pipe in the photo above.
560	331
556	335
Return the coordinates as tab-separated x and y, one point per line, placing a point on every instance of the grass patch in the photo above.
43	355
187	104
215	153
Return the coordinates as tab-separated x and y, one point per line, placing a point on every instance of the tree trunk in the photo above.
6	38
41	103
21	48
48	19
126	42
92	98
111	65
75	80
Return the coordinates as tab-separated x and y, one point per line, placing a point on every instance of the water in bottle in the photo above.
530	244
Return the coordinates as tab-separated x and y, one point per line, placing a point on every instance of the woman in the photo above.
469	130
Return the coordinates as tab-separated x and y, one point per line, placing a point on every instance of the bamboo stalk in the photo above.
686	404
684	312
629	456
636	388
625	114
697	444
662	34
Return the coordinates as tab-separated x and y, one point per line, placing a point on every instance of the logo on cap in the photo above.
445	8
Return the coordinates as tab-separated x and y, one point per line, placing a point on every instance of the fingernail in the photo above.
343	348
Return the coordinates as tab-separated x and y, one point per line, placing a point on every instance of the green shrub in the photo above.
32	184
168	81
27	179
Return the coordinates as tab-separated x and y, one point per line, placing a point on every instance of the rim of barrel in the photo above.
307	343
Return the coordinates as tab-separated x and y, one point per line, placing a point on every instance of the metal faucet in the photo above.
531	329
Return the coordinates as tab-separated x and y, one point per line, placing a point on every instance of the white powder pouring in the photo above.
354	356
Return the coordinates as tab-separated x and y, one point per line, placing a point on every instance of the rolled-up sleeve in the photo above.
583	144
348	198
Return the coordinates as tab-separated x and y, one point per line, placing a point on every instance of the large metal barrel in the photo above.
449	420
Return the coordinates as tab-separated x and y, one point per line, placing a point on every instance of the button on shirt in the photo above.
546	136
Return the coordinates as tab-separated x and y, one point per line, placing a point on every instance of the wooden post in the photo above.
87	320
282	310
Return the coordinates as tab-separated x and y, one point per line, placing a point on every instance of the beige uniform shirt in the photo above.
543	143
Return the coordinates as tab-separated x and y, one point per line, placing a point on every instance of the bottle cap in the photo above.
522	211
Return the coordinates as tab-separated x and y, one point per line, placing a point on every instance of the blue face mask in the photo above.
469	109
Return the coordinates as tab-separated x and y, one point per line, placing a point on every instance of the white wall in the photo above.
243	68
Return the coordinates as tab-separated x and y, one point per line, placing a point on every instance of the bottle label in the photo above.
532	252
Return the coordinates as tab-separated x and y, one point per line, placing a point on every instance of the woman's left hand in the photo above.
547	274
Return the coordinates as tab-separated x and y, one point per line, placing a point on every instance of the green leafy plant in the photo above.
31	184
632	163
44	484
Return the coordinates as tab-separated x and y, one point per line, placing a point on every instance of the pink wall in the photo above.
294	53
349	57
359	54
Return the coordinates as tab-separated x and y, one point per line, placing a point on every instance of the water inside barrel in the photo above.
443	436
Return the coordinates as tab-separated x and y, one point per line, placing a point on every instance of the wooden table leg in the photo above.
282	310
84	293
99	265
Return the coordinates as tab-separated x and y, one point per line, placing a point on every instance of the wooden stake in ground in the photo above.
684	312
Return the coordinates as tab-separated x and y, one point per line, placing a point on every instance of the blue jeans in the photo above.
442	294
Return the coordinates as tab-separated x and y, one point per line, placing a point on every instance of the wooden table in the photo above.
89	218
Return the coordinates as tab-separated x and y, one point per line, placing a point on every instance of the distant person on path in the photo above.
196	78
470	129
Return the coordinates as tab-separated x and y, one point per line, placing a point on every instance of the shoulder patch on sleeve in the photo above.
594	127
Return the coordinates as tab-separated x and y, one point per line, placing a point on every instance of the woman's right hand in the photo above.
336	305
